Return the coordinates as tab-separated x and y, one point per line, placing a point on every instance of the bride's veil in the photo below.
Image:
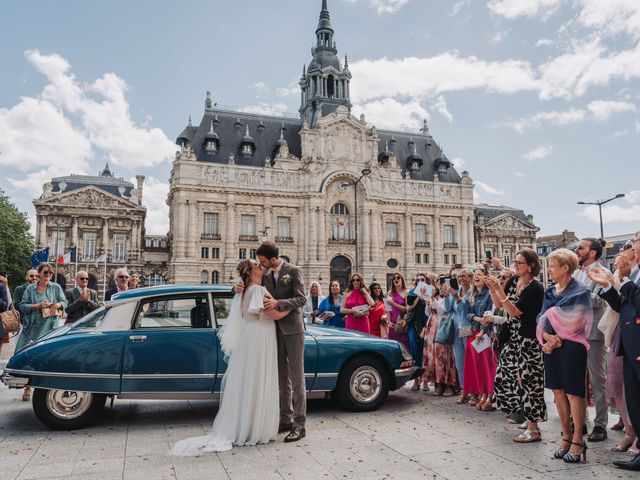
230	334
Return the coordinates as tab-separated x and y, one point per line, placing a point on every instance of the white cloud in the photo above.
483	187
384	6
439	105
545	42
33	182
520	175
512	9
388	112
154	197
557	118
263	108
620	133
538	153
603	110
499	36
626	210
261	88
611	17
459	164
429	77
292	89
458	6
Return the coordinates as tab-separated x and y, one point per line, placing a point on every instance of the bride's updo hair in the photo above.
244	270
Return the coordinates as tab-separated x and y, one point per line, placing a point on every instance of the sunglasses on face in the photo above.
516	262
627	246
580	247
503	277
356	280
123	276
33	276
47	272
83	278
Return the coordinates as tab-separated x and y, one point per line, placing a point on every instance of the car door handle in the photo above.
138	338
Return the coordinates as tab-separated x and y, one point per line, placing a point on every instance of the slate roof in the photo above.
106	181
493	211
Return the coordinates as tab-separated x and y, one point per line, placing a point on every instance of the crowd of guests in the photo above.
496	338
43	304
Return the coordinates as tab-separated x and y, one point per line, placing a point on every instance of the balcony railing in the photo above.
210	236
423	244
284	239
393	243
450	245
342	241
248	238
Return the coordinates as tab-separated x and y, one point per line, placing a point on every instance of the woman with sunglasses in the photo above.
397	299
42	305
377	313
356	303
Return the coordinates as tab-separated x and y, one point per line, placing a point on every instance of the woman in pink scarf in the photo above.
563	328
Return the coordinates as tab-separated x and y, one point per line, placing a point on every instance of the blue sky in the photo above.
537	99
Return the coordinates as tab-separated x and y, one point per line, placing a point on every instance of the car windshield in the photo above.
93	320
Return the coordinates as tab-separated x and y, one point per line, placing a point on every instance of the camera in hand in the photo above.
488	254
451	282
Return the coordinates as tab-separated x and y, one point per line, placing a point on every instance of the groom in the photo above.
284	283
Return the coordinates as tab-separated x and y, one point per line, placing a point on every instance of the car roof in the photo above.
137	293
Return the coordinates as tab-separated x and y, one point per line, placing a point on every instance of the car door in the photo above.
171	346
221	309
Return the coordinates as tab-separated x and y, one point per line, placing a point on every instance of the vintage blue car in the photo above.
161	343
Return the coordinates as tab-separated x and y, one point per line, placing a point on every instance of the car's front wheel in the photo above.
363	384
66	409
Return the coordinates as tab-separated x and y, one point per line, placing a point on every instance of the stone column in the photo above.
464	241
366	237
408	247
313	229
300	237
229	237
194	231
74	231
307	226
105	235
471	236
43	231
437	241
322	235
268	222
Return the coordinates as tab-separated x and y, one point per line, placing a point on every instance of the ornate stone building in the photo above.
100	215
503	231
335	193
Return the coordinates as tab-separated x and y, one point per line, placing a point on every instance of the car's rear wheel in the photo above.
66	409
363	384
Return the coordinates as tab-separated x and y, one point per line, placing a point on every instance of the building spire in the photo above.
324	23
106	172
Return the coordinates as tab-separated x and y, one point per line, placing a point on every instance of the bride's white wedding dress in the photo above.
249	405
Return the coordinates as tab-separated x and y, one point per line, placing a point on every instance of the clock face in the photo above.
341	187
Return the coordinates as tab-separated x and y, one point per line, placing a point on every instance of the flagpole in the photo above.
104	278
76	276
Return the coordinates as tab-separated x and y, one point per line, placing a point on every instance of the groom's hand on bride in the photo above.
270	303
239	287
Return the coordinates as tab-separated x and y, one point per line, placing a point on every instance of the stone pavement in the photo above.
415	435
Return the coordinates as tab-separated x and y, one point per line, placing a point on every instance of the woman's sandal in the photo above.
473	401
561	452
26	395
629	443
464	398
529	436
575	457
618	426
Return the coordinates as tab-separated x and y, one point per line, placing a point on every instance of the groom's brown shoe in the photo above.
297	433
285	427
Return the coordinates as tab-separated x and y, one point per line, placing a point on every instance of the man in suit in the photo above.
82	299
283	281
627	303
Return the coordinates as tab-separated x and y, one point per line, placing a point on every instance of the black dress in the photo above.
519	383
565	368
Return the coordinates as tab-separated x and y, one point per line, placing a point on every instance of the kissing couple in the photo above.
263	345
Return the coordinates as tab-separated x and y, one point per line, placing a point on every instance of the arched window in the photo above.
204	276
340	222
215	277
330	86
285	259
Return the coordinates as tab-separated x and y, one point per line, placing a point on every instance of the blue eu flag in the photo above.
39	257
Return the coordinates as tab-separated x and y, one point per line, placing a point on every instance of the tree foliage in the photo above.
16	242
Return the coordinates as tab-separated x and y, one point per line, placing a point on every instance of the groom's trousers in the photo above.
293	398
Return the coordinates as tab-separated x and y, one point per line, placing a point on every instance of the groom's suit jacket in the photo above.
289	291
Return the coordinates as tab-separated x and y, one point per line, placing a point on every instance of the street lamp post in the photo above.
364	173
599	203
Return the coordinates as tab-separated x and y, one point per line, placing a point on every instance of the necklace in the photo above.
520	288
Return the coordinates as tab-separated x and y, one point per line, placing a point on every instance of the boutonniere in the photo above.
286	280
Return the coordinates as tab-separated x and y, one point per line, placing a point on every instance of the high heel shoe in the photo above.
575	458
561	452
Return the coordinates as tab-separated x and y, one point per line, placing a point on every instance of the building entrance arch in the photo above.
340	270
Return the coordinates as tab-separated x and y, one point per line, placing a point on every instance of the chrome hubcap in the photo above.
366	384
66	404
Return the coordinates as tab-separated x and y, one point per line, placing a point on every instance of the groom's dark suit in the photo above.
627	303
288	289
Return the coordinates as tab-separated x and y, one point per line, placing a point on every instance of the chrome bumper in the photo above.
403	375
13	382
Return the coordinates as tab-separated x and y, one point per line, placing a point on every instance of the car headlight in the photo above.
405	353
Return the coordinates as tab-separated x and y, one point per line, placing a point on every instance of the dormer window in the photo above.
442	168
211	146
415	165
247	149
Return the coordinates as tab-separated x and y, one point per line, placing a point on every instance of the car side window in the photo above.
221	309
186	311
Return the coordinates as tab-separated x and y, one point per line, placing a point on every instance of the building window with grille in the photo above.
247	225
507	257
210	224
204	252
446	259
204	276
418	258
421	233
58	240
253	253
340	222
284	227
242	253
426	258
449	234
89	247
215	253
392	232
119	247
454	259
215	277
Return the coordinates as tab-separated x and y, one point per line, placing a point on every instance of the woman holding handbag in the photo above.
42	304
417	320
397	299
356	303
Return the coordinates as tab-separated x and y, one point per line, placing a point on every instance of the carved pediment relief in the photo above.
508	222
88	197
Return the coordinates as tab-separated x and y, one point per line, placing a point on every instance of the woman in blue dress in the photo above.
331	303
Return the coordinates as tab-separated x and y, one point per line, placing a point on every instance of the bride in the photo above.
249	407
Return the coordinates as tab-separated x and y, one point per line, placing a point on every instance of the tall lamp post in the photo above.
364	172
599	203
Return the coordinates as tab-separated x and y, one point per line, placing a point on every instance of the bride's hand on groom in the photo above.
270	303
239	287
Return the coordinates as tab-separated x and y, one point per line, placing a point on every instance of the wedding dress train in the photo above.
249	404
